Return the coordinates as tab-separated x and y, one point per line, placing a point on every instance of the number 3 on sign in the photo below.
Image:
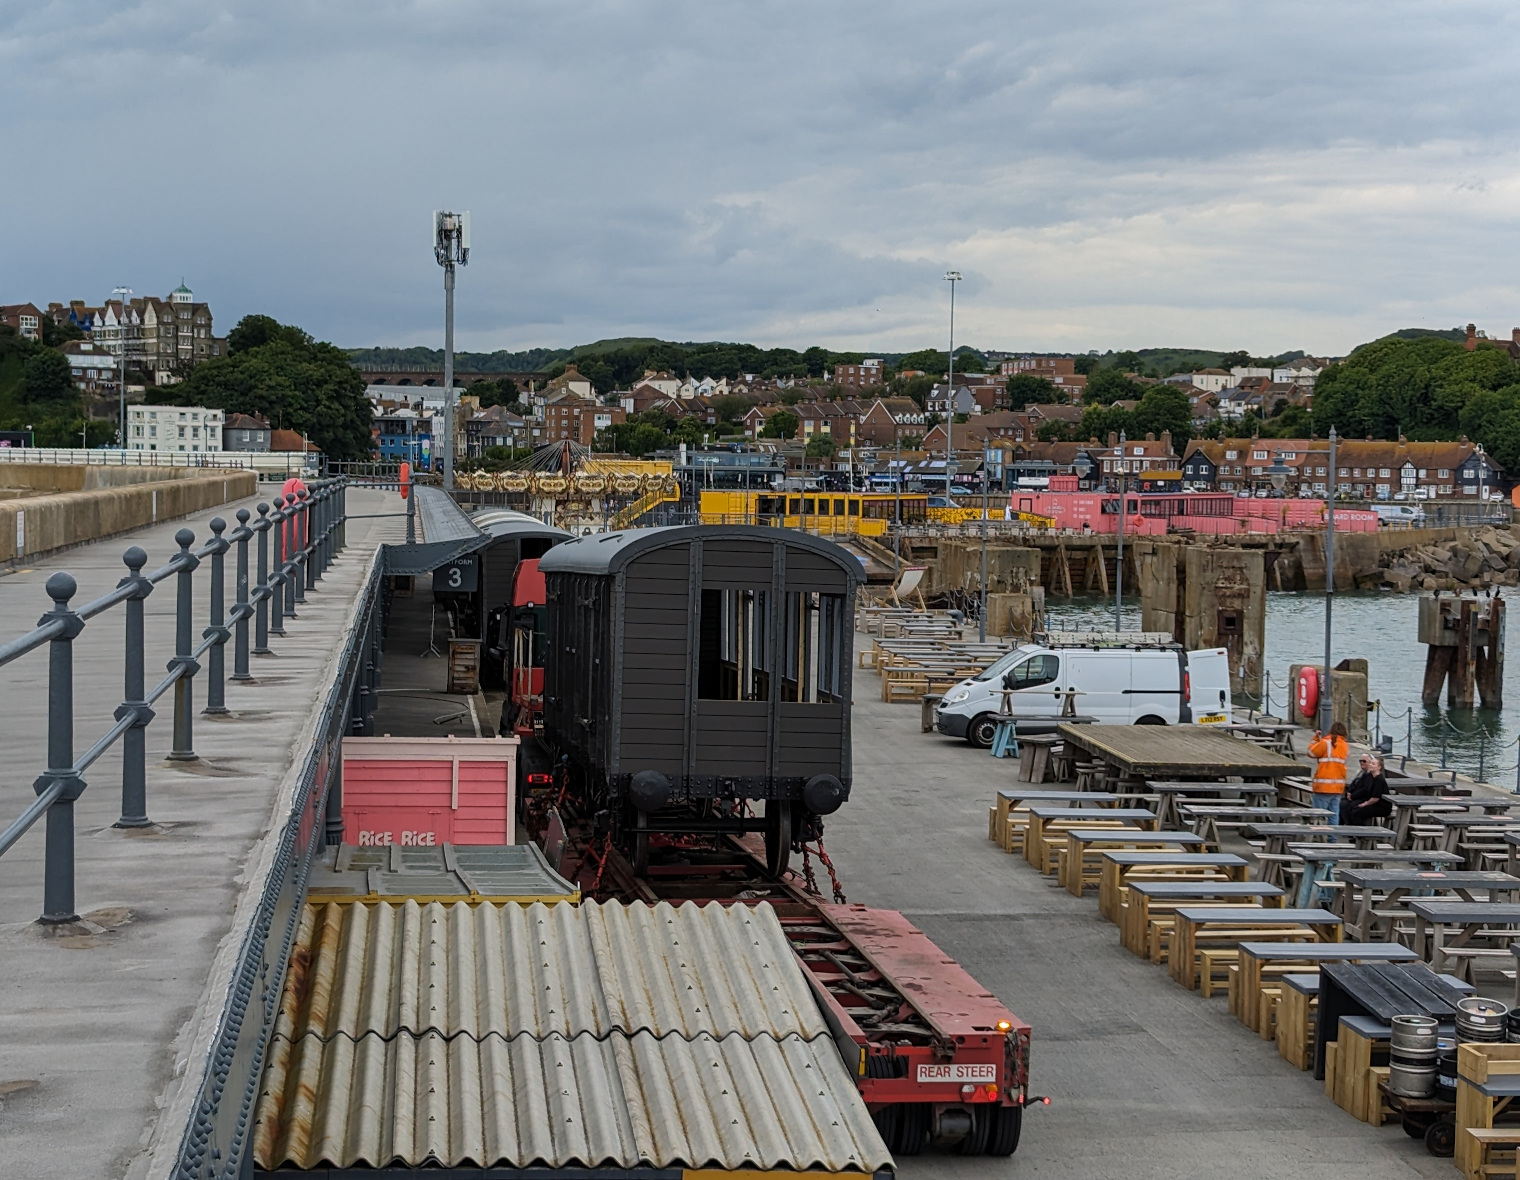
456	577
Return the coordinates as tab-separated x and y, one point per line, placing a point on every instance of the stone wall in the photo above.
104	502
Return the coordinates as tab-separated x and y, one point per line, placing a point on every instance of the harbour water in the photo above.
1380	628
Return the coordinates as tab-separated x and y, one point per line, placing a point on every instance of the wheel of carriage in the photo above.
975	1142
1003	1135
778	835
1441	1139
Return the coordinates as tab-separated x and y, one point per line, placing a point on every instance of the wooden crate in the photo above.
464	666
1478	1064
1296	1015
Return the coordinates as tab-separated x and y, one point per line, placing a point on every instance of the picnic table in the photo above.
1274	853
1380	991
1206	818
1135	931
1261	964
1171	791
1406	809
1276	737
1322	860
1224	928
1363	910
1039	832
1001	827
1416	784
1465	832
1170	752
1119	865
1446	930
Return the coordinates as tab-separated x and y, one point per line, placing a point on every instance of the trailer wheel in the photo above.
1441	1139
976	1140
1003	1136
778	835
912	1128
888	1122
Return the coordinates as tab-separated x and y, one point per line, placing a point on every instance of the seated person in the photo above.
1365	799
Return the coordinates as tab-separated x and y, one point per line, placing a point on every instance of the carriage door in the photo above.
731	731
815	634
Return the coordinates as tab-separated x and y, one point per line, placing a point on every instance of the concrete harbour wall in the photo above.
80	504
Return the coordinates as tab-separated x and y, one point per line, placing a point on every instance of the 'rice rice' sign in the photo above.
421	792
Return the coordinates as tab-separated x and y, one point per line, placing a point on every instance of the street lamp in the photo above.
1327	704
982	630
451	247
1278	472
952	277
124	294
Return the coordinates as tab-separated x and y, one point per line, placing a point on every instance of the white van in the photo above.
1120	684
1407	515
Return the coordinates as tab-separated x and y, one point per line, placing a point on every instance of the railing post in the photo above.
277	569
411	513
58	874
134	743
1483	759
308	546
261	610
184	701
291	545
216	666
240	643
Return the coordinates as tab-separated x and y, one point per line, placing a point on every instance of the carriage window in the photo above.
795	506
823	507
772	505
734	657
809	506
854	507
838	507
814	636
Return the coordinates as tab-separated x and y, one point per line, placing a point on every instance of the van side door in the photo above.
1155	688
1102	680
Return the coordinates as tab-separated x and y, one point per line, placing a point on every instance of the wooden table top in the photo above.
1131	835
1464	911
1108	813
1222	860
1428	800
1242	915
1056	796
1171	788
1387	952
1335	853
1204	889
1468	820
1222	810
1167	751
1431	878
1349	831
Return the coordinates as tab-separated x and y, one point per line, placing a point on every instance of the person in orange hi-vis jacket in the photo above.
1330	774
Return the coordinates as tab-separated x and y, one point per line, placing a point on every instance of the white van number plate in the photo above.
1212	719
958	1073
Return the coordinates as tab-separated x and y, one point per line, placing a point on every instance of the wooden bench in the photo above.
1297	1009
1261	962
1225	927
1488	1084
1060	819
1485	1146
1009	817
1155	899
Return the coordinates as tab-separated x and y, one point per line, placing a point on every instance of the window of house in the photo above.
1384	473
1443	473
1231	455
182	435
1343	473
1258	454
1422	473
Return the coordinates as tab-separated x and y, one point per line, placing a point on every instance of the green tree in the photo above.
816	359
1101	421
600	374
782	424
730	408
1239	359
931	360
1165	407
1025	389
1055	430
55	334
918	388
1086	365
1128	362
1107	386
279	373
46	377
820	446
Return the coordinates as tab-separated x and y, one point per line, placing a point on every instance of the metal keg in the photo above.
1446	1070
1481	1019
1513	1033
1412	1057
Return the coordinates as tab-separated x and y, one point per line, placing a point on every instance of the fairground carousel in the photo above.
566	485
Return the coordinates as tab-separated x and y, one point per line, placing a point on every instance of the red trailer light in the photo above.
540	780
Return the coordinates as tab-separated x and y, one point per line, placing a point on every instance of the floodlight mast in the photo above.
451	247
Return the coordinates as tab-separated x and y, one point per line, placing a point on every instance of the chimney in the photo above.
1113	438
1150	436
1472	337
1166	441
1514	335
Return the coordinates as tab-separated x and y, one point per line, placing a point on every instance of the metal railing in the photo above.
306	531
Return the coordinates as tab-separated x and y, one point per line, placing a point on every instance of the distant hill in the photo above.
1417	333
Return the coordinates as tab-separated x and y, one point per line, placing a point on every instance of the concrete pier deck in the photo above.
1148	1081
94	1018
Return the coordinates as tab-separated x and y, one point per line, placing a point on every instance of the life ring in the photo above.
1307	691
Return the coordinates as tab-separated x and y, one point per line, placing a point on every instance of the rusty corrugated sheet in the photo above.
623	1101
544	969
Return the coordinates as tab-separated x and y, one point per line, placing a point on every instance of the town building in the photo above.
1139	460
25	318
1060	371
886	421
868	373
174	428
245	432
496	426
577	419
405	436
1511	346
1210	380
92	368
1366	469
1302	372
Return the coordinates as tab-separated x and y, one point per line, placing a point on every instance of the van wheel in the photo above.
982	730
1151	719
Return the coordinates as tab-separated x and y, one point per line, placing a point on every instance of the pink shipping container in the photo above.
421	792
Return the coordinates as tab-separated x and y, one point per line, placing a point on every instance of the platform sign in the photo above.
460	576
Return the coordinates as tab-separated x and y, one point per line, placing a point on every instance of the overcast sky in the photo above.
1105	174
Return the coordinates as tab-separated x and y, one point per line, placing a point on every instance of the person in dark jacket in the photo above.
1365	798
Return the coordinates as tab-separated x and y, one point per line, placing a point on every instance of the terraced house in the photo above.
1369	469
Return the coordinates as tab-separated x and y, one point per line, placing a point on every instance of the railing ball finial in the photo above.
184	538
218	525
135	558
61	587
263	509
242	516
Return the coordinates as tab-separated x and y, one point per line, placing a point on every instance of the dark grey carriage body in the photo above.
718	656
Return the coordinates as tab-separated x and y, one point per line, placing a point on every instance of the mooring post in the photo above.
58	871
134	743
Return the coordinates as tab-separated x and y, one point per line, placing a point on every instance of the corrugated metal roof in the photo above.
442	872
544	969
557	1102
603	553
440	519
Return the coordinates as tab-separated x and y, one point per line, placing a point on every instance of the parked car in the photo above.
1399	515
1119	684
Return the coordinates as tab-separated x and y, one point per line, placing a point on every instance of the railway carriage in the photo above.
694	674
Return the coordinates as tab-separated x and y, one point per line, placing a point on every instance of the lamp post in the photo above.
124	294
1119	566
451	247
982	629
1326	696
1278	472
952	277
